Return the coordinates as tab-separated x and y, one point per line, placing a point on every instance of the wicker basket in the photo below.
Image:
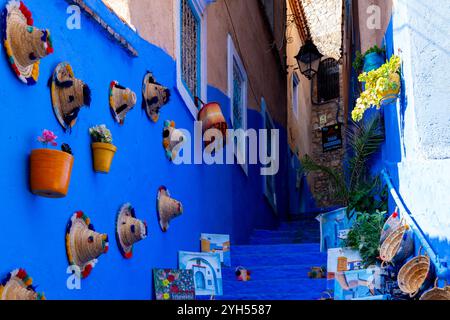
437	293
398	245
416	275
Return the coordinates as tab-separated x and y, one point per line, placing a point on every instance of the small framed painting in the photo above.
174	284
217	243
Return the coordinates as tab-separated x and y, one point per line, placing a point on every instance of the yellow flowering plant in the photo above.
378	84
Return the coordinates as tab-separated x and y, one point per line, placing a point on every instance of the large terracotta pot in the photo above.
103	154
50	172
212	117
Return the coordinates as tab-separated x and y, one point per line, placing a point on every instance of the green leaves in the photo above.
365	236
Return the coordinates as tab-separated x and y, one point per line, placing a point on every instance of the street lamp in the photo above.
308	59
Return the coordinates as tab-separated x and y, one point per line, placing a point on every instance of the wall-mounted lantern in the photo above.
308	59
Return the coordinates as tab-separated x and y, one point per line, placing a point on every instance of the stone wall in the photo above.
321	188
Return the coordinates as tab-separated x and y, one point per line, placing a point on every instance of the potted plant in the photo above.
382	87
50	170
102	148
372	59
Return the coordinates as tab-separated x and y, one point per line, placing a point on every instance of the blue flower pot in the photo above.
373	61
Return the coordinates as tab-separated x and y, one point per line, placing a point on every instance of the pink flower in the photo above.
48	137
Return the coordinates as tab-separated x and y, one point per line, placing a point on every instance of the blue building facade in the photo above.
416	151
216	199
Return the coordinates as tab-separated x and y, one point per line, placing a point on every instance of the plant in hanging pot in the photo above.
102	148
50	170
382	87
372	59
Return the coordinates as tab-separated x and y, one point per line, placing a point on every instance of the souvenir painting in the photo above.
207	271
357	284
69	95
25	45
155	96
174	284
217	243
334	228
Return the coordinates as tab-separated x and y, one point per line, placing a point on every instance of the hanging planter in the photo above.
103	150
372	59
416	275
211	116
382	87
50	170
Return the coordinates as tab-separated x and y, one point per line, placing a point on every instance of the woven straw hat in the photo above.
24	44
83	244
69	94
121	100
173	139
129	230
167	208
155	96
18	285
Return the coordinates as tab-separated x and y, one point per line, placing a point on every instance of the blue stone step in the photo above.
275	233
276	259
275	249
269	272
283	240
292	286
272	296
299	225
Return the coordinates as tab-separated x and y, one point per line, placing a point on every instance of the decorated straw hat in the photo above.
24	44
18	285
69	94
155	96
121	100
83	244
129	230
167	208
173	139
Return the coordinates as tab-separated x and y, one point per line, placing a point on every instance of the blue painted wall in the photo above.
216	199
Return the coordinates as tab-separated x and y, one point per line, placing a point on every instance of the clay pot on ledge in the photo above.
103	154
50	172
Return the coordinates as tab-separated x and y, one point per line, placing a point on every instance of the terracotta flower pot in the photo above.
50	172
103	154
212	118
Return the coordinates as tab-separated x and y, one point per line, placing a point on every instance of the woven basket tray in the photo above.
397	246
437	293
415	275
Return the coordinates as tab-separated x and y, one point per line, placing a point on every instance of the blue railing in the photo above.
441	266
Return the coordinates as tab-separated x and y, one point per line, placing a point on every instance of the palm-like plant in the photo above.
354	186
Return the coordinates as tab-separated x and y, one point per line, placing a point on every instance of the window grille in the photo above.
238	104
328	80
190	49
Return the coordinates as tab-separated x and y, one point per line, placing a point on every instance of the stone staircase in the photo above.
279	262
